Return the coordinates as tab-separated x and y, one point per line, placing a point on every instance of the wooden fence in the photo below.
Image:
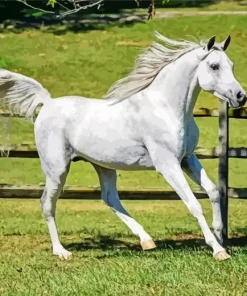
222	152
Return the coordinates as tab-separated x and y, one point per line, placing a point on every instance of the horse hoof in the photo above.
148	245
67	256
63	254
221	256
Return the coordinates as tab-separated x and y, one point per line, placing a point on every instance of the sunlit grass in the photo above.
87	63
107	257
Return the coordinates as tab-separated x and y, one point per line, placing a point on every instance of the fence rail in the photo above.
93	192
223	152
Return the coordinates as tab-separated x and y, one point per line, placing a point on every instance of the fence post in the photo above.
223	164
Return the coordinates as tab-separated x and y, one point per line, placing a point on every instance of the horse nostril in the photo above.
240	95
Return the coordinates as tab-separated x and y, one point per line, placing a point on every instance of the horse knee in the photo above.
43	199
48	204
214	196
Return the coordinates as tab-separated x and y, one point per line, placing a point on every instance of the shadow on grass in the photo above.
105	243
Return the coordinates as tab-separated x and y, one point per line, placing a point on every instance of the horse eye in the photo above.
215	66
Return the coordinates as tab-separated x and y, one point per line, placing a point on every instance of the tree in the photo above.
66	6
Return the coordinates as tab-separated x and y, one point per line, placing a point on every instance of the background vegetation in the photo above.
85	60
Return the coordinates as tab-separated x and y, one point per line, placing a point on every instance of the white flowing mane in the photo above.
149	64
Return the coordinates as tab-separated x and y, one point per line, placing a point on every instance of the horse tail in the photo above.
20	94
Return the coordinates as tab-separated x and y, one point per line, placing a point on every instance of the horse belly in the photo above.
119	158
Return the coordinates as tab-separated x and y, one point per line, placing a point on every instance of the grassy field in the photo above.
108	260
226	6
86	63
220	6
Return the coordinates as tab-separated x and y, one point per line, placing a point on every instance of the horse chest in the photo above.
174	142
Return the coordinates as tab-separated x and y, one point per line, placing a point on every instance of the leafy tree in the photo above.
64	7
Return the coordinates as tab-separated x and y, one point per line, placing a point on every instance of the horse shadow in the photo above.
107	243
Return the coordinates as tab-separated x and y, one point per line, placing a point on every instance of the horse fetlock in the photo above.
62	253
218	235
212	241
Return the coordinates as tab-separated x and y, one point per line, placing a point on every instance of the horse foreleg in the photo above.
49	198
196	172
168	165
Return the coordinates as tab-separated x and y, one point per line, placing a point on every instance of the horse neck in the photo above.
176	86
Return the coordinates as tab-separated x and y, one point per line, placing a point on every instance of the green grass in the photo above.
220	6
227	6
88	62
107	258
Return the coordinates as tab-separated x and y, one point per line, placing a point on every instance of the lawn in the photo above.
86	63
226	6
107	259
219	6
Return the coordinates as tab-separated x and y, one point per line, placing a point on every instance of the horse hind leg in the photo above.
109	194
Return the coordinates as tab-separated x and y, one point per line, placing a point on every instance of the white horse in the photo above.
144	122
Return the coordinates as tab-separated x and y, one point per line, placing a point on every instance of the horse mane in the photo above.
149	64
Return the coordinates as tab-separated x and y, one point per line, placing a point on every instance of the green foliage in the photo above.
33	13
165	1
51	3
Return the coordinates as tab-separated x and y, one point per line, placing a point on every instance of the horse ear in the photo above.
224	45
211	43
